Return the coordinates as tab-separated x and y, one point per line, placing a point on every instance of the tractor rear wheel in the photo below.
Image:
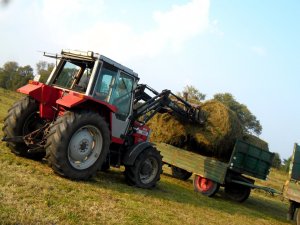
237	192
77	144
23	118
205	186
146	169
180	173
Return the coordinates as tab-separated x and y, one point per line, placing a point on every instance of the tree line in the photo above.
13	76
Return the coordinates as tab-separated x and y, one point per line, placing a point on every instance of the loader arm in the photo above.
164	102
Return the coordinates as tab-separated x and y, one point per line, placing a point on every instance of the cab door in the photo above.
122	98
116	88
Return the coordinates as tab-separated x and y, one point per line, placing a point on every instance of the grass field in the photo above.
30	193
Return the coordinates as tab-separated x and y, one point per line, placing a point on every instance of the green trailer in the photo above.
246	162
291	189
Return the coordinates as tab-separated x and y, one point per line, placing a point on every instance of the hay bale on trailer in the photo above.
256	141
215	139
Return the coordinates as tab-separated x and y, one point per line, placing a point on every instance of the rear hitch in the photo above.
35	140
17	139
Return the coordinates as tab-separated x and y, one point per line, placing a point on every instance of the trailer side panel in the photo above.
204	166
251	160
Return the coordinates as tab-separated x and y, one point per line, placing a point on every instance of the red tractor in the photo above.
91	115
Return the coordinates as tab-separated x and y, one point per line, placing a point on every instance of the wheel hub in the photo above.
81	145
85	147
146	168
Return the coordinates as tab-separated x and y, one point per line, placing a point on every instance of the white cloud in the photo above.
172	29
78	24
182	22
261	51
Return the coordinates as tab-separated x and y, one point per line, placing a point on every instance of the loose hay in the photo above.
256	141
215	139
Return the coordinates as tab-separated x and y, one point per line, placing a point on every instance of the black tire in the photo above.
237	192
77	144
205	186
145	172
180	174
105	165
23	118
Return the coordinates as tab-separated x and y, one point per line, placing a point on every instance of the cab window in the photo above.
105	83
122	94
74	75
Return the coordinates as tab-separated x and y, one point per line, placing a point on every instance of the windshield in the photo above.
74	75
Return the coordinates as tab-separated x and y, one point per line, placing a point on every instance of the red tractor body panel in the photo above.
71	99
45	95
51	98
33	89
142	133
74	99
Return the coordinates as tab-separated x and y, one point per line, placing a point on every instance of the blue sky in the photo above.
249	48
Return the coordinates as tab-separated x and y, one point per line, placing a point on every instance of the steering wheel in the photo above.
101	95
120	98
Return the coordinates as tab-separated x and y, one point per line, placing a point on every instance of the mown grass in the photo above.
30	193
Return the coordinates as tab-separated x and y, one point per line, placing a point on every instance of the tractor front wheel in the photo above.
77	144
146	169
205	186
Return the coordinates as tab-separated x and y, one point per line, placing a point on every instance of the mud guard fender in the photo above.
74	99
33	89
134	151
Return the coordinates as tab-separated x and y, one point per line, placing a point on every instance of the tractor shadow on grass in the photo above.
171	189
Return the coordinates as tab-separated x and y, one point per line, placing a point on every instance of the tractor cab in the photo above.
96	76
99	79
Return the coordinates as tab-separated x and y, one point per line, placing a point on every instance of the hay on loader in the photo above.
216	138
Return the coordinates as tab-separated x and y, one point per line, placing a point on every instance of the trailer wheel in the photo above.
237	192
77	144
205	186
180	173
146	169
23	118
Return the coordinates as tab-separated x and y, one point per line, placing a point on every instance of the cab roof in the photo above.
92	56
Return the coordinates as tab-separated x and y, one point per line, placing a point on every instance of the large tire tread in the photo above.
58	139
14	121
132	172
